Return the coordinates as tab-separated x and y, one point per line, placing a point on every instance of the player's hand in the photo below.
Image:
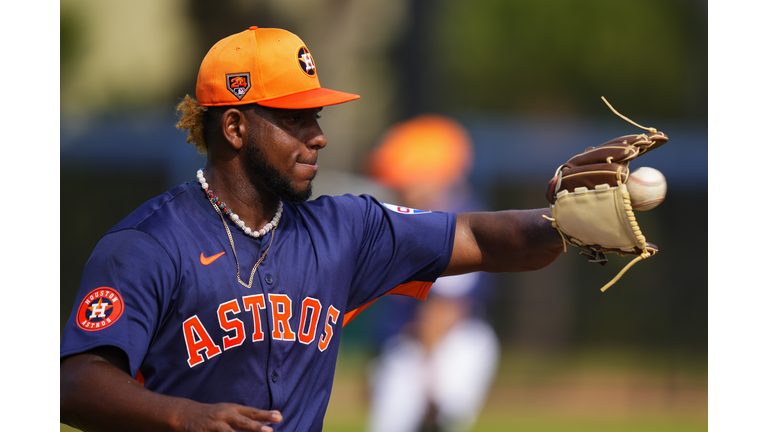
228	417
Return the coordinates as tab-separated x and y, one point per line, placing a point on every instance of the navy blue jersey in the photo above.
162	286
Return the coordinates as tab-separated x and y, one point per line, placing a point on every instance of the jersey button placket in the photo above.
274	377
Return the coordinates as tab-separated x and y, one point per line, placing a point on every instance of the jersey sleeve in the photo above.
401	251
125	290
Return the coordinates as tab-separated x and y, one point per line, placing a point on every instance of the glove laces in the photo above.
651	130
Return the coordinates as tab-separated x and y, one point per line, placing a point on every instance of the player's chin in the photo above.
299	192
303	184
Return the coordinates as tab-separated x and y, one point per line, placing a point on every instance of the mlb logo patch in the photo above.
404	210
239	84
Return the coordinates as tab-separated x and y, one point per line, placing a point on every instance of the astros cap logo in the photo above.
99	309
239	83
305	61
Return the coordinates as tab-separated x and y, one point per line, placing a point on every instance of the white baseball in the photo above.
647	188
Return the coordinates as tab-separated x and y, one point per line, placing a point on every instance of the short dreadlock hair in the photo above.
193	119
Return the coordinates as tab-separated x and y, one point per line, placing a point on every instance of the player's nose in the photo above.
317	139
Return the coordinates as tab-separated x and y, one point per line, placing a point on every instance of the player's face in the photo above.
284	148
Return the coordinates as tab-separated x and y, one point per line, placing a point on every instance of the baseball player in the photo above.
217	306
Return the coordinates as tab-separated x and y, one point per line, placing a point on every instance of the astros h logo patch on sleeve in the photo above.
239	84
99	309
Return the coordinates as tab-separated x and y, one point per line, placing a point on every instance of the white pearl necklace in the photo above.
235	218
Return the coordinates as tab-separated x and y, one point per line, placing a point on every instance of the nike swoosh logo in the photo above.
207	260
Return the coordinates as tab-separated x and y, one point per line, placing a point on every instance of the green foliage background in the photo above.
555	56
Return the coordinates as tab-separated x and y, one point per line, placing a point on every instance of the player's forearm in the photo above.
506	241
97	396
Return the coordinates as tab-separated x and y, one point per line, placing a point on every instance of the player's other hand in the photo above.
227	417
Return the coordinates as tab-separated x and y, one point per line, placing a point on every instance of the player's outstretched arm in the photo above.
505	241
98	394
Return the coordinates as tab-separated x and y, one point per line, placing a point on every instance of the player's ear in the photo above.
233	127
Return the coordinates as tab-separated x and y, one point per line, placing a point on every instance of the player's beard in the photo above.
278	182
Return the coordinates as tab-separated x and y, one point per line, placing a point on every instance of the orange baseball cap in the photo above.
267	66
429	148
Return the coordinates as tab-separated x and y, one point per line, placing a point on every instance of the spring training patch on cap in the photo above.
99	309
306	62
239	84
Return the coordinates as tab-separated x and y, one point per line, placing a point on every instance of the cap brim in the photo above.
315	98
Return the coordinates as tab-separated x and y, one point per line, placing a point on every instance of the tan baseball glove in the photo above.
590	205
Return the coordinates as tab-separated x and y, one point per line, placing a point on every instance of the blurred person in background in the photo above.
437	357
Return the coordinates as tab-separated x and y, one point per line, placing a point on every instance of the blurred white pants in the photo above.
456	377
